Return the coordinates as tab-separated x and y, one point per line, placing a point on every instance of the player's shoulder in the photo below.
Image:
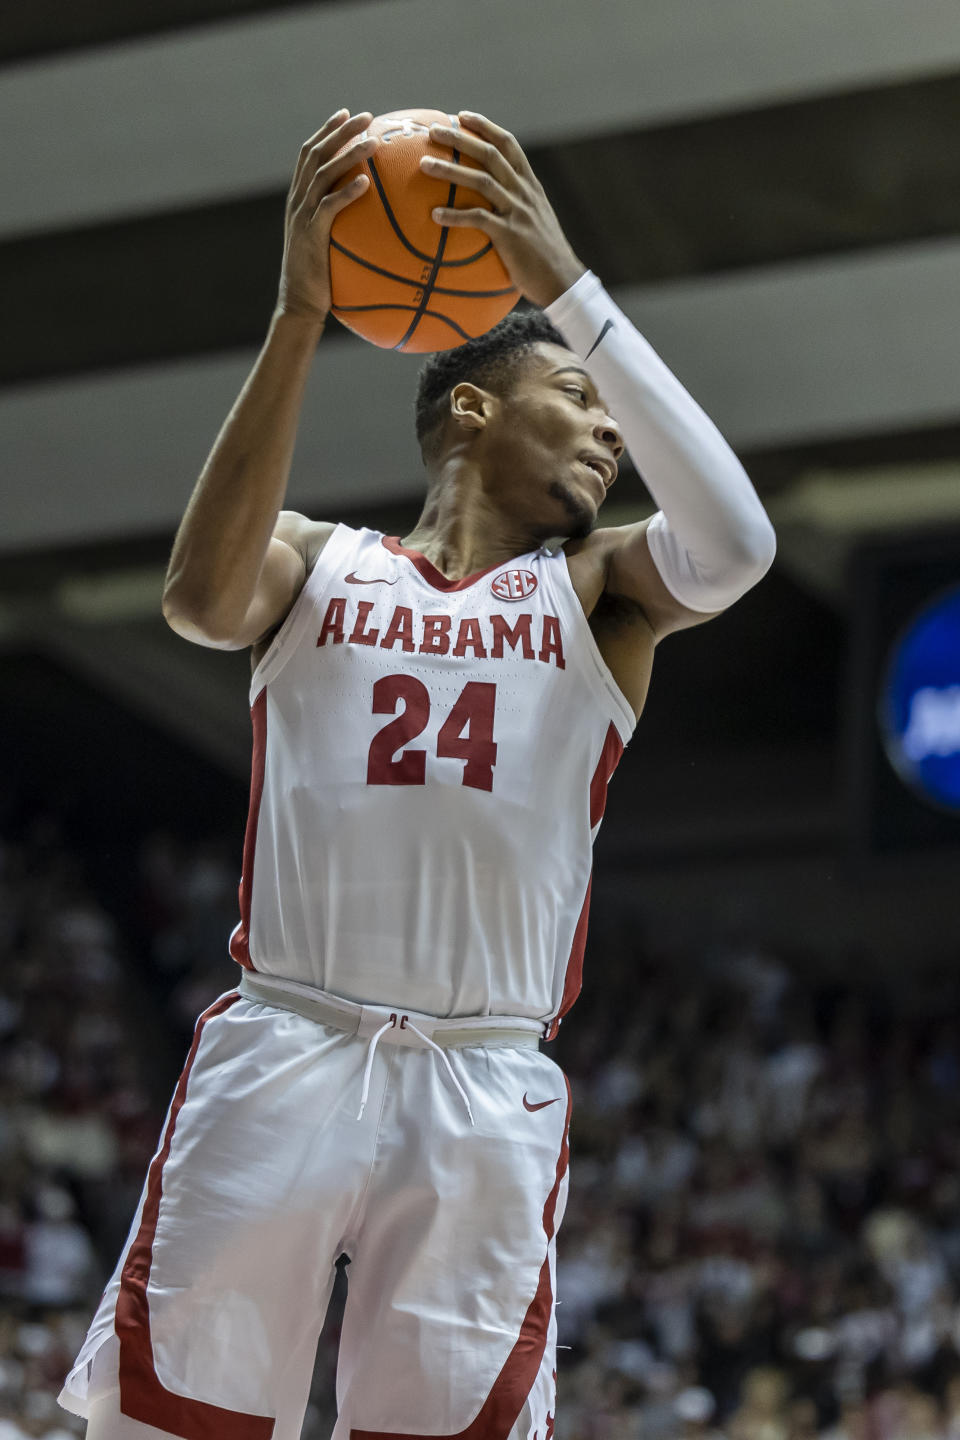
605	540
306	536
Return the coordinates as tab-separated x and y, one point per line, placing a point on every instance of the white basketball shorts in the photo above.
264	1176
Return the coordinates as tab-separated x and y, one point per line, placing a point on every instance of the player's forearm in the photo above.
223	537
713	539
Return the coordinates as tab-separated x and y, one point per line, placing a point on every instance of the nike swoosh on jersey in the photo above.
539	1104
607	325
354	579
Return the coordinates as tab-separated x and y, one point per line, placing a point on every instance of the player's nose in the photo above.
607	431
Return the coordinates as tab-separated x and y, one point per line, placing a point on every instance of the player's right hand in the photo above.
312	204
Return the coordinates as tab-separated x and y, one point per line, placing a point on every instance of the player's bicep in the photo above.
631	573
279	583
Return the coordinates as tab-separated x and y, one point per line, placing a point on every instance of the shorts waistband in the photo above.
397	1025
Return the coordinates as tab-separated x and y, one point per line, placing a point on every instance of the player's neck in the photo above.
461	531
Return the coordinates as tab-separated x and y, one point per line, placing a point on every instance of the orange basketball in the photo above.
398	279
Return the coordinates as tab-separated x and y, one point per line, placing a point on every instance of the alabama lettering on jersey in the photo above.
430	765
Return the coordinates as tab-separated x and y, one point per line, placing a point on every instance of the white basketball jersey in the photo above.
430	765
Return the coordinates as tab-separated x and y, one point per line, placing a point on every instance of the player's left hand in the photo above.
525	232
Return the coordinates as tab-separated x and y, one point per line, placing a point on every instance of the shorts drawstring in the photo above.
374	1021
371	1051
405	1023
446	1060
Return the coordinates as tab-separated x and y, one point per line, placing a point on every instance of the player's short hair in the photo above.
490	361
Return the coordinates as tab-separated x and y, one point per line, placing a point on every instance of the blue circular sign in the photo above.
920	702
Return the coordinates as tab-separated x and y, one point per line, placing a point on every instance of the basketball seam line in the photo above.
467	260
434	314
427	290
405	279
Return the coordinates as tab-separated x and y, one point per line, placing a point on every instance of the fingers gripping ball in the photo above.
398	278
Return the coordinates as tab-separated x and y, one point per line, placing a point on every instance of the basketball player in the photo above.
435	722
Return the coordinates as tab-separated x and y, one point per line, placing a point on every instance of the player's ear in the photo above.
470	407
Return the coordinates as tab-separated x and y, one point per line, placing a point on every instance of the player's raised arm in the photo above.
711	539
232	575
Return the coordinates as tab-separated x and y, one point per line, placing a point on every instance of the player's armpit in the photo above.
626	641
632	574
618	615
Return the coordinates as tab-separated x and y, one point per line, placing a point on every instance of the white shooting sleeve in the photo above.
711	538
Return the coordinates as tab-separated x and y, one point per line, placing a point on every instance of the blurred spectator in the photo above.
762	1239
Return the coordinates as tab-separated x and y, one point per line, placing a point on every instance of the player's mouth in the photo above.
599	477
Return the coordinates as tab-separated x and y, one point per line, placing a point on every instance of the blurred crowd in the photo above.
78	1120
762	1240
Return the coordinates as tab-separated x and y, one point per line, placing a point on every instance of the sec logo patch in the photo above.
513	584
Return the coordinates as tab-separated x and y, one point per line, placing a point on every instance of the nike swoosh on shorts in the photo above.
539	1104
354	579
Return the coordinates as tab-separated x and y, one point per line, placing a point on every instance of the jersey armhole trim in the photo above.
622	711
285	641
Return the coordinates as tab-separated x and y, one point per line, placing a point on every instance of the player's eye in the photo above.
578	390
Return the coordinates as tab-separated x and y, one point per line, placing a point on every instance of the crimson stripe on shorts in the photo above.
240	939
573	978
498	1413
142	1395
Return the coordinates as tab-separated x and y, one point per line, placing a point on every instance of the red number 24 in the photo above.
466	734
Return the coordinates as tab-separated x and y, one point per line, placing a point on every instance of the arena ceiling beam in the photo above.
219	111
